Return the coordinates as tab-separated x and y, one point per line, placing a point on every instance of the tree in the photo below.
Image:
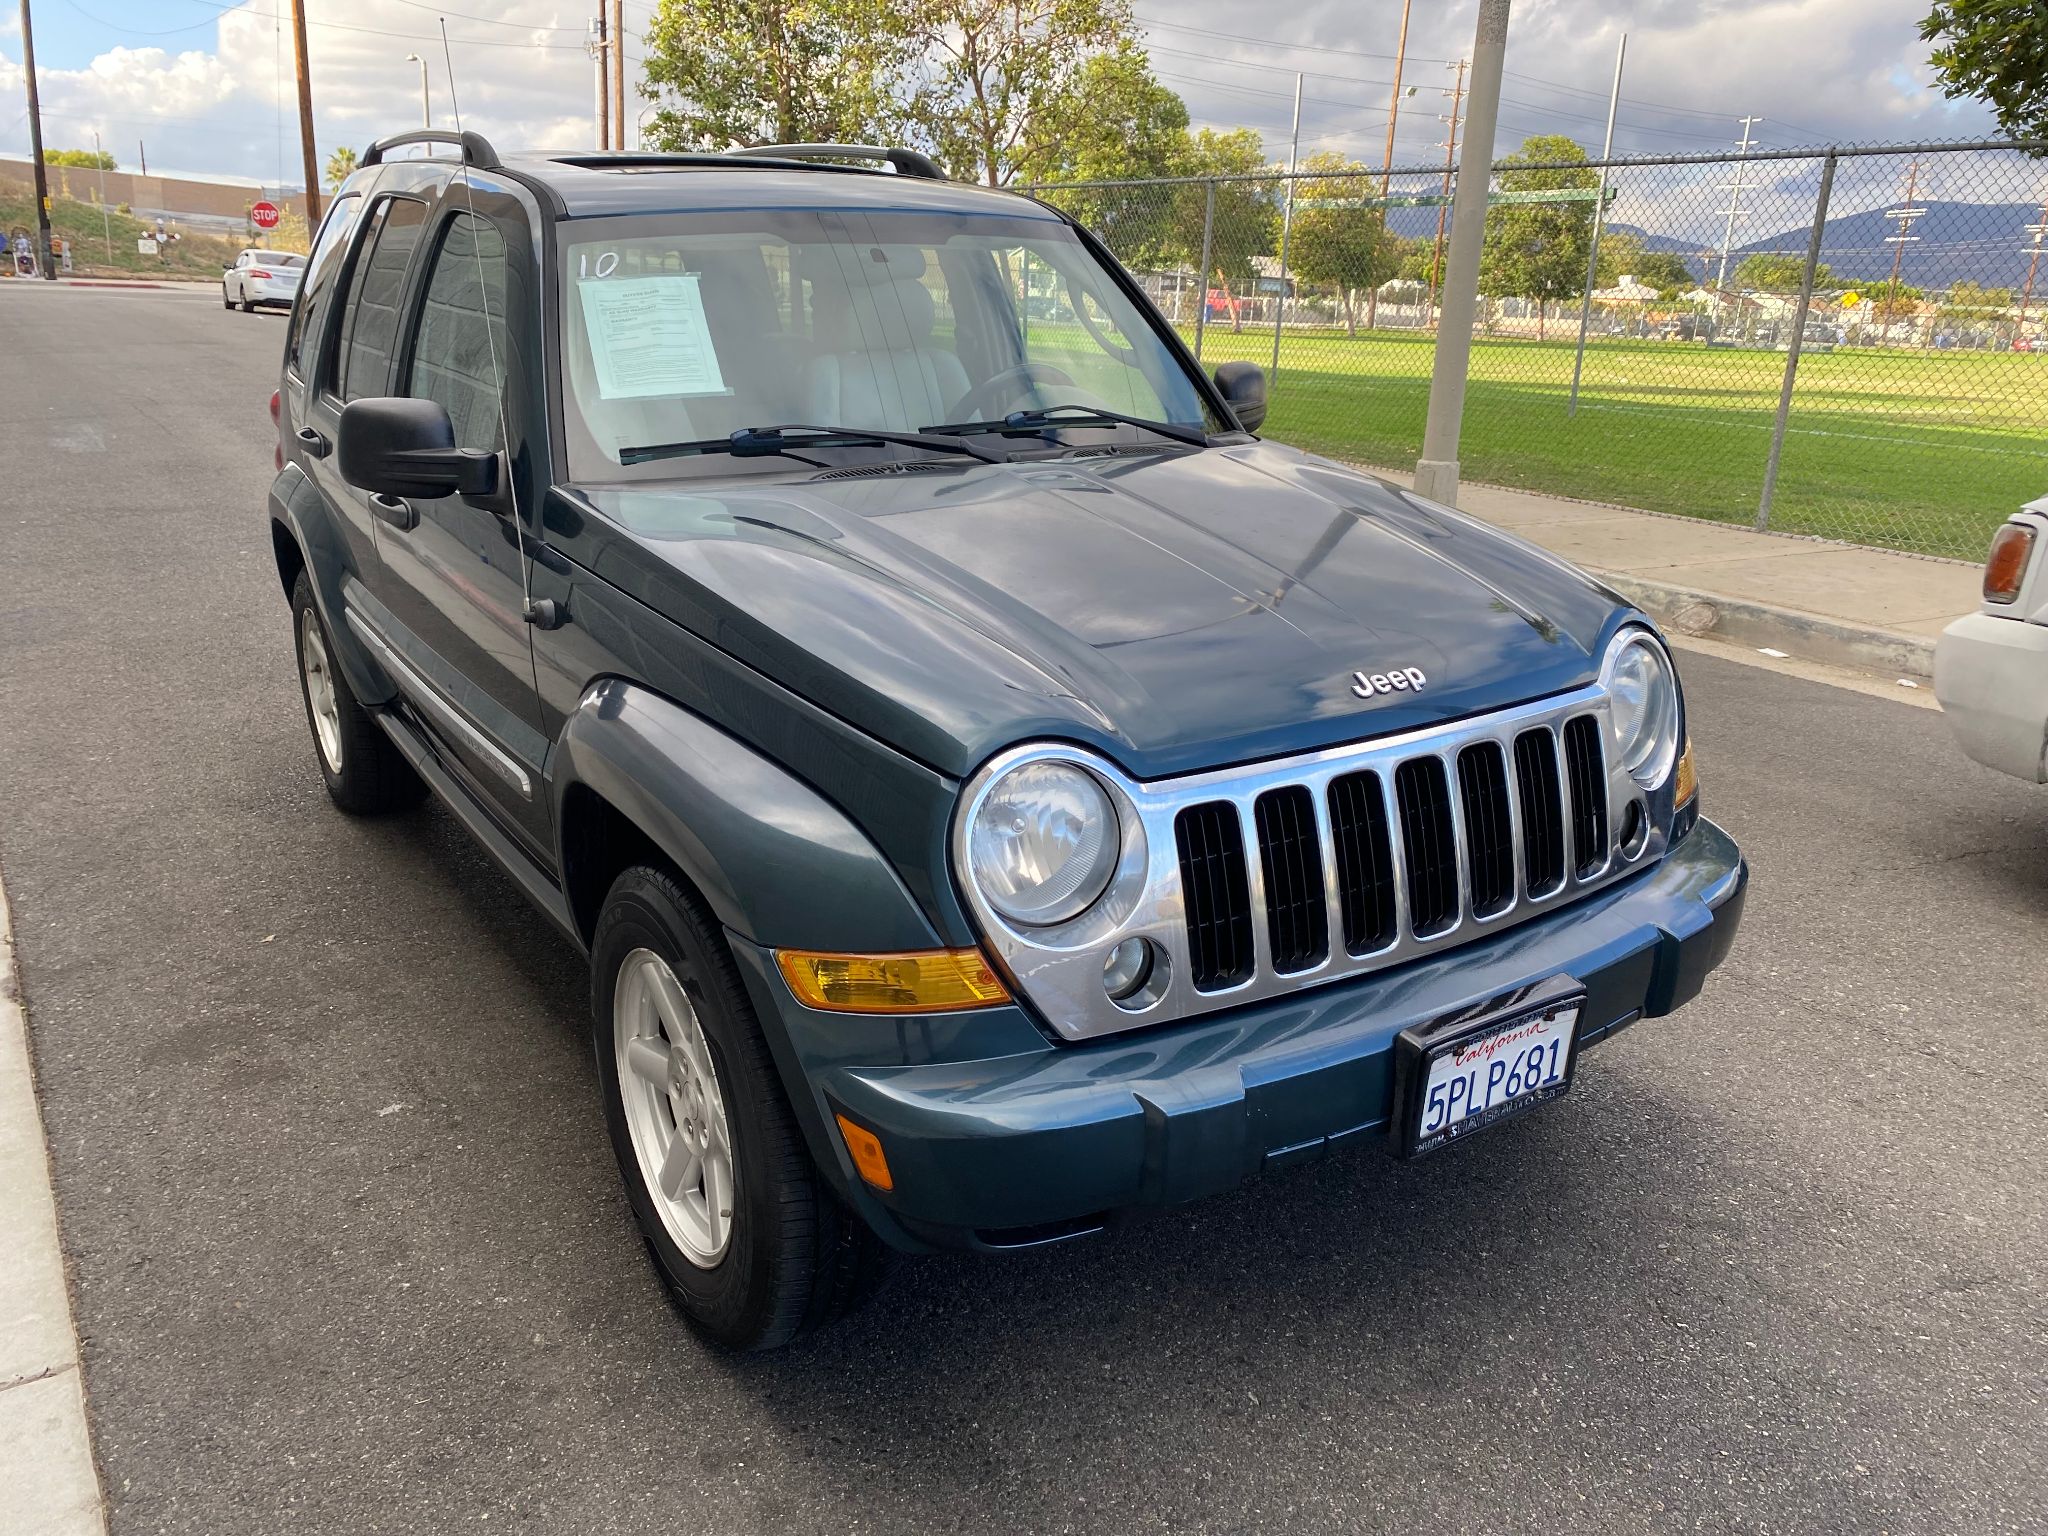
1538	250
1996	50
736	72
340	166
1666	271
1247	221
87	159
1779	272
1116	123
991	69
1338	239
1892	302
1970	303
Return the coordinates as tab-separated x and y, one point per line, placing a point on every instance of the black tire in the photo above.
796	1256
248	308
372	775
225	301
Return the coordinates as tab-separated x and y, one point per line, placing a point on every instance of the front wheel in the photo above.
751	1243
365	772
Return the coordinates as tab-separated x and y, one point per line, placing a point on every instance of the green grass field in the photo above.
1926	451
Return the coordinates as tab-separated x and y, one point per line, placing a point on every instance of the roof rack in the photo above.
907	162
476	149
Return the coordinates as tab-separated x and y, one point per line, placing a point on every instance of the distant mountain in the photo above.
1976	242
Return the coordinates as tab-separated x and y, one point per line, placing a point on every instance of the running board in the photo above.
531	879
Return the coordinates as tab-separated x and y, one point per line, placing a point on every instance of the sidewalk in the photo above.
46	1468
1870	609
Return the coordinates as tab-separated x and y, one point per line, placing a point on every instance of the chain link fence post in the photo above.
1208	246
1813	239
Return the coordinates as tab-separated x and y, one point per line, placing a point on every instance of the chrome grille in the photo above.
1269	878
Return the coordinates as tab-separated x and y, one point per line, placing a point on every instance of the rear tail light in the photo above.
277	421
256	272
2006	571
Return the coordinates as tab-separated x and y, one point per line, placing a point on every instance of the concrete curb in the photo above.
1809	636
45	1444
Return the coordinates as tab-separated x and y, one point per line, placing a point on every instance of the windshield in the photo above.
683	328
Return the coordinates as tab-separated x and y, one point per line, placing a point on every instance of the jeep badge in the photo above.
1404	680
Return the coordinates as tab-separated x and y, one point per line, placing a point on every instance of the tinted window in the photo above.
369	311
459	355
341	218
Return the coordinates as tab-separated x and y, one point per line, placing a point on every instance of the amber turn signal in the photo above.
866	1150
924	981
1688	783
2006	571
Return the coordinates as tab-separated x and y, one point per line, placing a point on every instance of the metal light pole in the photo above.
1734	206
1436	472
426	111
106	223
1599	220
1286	230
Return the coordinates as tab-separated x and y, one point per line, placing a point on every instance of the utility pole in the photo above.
618	40
306	148
142	153
1436	260
1599	220
1905	213
1734	204
2033	254
1436	472
601	54
1286	230
1372	298
44	258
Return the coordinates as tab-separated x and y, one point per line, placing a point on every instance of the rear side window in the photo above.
458	358
319	280
369	309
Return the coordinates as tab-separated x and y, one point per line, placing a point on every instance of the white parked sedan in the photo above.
262	277
1991	667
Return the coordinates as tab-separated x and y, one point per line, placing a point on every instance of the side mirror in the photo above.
1243	387
403	447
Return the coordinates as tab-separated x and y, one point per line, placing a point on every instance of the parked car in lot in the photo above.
994	789
1991	666
261	278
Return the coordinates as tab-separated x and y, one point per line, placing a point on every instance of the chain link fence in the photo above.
1660	333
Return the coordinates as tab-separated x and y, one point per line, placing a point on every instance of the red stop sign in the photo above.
264	215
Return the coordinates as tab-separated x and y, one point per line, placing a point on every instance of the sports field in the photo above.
1926	451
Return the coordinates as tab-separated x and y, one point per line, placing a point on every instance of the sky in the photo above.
205	87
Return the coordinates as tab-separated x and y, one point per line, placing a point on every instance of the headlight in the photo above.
1644	698
1044	843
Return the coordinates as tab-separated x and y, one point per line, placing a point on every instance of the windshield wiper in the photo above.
760	442
1025	423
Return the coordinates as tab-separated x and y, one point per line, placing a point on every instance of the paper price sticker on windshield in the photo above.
648	336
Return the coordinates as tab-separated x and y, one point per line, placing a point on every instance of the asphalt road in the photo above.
349	1255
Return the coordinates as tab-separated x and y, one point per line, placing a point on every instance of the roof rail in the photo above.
908	162
476	149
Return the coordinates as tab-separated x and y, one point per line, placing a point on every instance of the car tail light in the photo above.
2006	571
277	421
256	272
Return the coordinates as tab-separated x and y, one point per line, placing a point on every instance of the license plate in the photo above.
1464	1074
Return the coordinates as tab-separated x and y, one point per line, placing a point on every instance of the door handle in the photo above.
395	510
313	442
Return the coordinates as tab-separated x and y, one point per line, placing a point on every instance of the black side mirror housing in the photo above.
1243	387
402	447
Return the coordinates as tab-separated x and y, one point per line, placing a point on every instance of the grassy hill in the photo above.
196	257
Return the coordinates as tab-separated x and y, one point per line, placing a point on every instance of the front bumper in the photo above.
1991	675
999	1138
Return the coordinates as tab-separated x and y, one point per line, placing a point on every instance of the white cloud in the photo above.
1816	69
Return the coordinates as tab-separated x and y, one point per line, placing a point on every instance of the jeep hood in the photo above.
1176	610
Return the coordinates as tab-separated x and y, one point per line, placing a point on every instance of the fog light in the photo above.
1635	829
1128	968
